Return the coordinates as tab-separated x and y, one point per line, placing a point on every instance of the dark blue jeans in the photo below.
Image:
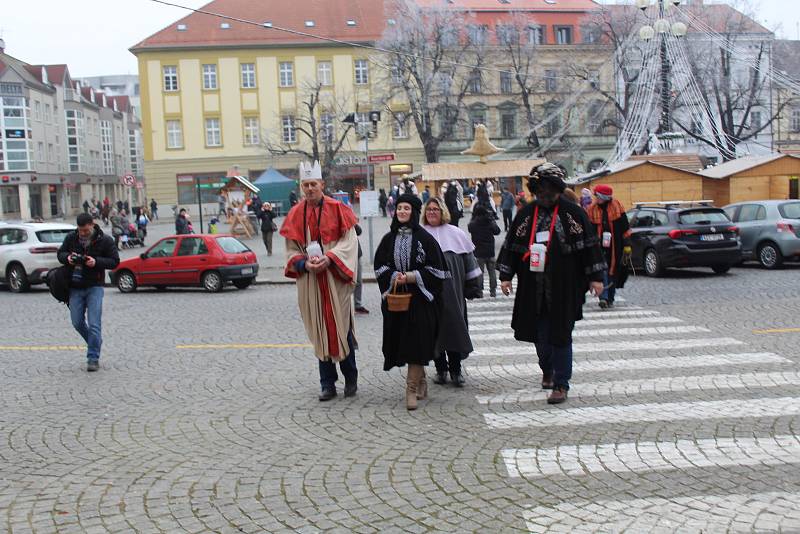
610	291
327	370
87	303
554	360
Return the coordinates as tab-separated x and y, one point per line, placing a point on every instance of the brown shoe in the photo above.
558	396
547	381
422	386
412	383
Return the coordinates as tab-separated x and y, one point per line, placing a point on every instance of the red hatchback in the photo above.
206	260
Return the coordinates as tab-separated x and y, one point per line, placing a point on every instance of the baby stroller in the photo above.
135	237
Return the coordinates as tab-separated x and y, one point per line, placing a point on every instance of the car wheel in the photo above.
769	256
652	263
18	279
243	283
721	269
212	281
126	282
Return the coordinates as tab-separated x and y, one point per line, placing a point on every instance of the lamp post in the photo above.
663	27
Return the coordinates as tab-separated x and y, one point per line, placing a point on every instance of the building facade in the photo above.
62	143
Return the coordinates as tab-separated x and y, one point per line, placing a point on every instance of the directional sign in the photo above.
129	180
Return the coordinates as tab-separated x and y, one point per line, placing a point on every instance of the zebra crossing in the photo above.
665	355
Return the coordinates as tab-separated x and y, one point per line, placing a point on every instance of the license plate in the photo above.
712	237
247	270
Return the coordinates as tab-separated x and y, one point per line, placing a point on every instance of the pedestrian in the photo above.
482	194
553	251
267	217
120	206
382	200
453	343
521	201
153	209
221	200
390	206
85	206
611	225
322	256
407	186
507	207
454	201
182	222
483	228
117	230
426	194
141	225
586	198
358	291
126	229
292	198
88	253
410	260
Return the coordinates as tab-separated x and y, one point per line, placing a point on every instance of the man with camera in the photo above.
88	252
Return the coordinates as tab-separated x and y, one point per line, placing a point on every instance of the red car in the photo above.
206	260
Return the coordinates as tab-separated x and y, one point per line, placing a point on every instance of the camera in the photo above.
78	259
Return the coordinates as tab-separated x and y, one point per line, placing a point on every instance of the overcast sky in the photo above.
93	36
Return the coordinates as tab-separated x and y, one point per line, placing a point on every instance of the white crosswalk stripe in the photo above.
591	323
631	311
615	346
628	364
748	512
630	387
572	460
610	332
645	413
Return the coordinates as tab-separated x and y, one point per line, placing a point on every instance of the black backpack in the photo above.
58	281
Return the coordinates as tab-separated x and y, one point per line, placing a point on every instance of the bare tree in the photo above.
428	51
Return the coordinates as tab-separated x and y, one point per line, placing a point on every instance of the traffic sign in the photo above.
129	180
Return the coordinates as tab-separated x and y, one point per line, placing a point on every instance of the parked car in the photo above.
28	252
205	260
770	230
673	235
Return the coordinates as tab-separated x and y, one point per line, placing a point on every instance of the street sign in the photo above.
129	180
377	158
369	203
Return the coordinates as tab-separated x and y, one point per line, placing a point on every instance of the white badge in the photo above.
606	239
314	250
538	257
542	237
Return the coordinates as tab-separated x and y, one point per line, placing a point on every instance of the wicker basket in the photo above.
397	302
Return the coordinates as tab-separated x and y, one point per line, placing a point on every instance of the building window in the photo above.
107	144
51	154
477	116
174	134
563	35
48	114
590	34
37	110
550	83
248	75
400	126
755	122
40	154
326	129
396	71
213	133
508	123
251	131
170	78
209	77
325	73
474	84
552	126
796	120
76	140
287	128
507	35
286	73
536	35
362	72
506	82
363	124
476	33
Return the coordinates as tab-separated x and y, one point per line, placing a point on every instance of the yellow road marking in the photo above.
777	331
247	346
41	347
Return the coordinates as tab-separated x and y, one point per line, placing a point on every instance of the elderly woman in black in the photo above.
410	258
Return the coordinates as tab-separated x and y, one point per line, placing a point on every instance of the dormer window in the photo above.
310	24
182	27
225	26
351	23
267	24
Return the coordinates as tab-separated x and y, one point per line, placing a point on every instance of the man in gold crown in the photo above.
322	255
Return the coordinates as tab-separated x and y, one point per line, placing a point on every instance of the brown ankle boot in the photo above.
412	383
422	388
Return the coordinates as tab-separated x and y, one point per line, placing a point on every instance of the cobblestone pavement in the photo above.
204	418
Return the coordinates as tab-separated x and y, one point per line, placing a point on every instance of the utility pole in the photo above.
665	125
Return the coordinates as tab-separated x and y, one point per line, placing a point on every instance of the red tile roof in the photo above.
330	20
515	5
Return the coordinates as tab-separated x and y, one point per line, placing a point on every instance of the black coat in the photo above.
574	259
181	225
101	247
266	217
483	228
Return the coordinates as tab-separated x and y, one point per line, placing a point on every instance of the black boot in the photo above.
441	378
457	379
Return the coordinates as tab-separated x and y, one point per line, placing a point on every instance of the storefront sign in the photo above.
377	158
15	134
350	159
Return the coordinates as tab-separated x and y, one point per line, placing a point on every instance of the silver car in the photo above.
769	230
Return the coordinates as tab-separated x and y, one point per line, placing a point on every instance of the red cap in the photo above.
603	189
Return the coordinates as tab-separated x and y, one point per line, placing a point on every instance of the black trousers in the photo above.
448	361
507	218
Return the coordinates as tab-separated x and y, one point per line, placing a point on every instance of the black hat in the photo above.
547	172
408	198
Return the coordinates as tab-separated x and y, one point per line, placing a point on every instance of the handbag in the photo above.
274	226
396	301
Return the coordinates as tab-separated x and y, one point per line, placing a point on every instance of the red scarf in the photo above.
336	220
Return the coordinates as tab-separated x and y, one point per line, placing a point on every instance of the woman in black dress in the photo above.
411	258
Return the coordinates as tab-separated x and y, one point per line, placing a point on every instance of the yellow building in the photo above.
215	92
